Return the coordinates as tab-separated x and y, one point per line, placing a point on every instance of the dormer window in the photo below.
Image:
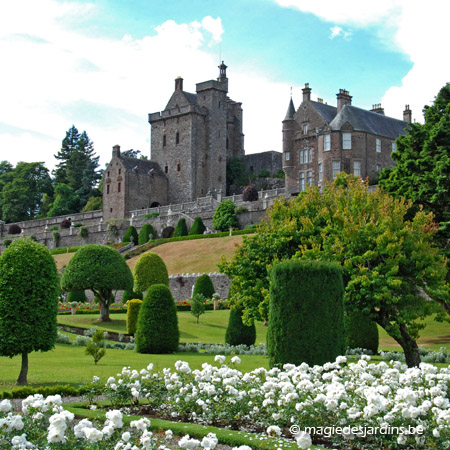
305	128
346	141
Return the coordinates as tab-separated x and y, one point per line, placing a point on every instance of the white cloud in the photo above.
416	28
337	31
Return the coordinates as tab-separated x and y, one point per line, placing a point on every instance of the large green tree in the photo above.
100	269
29	291
65	201
388	261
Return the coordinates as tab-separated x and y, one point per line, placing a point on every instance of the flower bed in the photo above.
370	406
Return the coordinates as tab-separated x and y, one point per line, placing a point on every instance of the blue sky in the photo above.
104	65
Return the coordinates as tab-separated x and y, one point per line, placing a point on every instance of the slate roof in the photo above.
192	98
369	121
290	111
143	166
328	112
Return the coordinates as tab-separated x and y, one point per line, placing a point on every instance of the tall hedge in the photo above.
131	231
145	232
198	227
129	294
306	318
360	331
181	228
149	269
77	296
204	286
157	327
237	333
133	308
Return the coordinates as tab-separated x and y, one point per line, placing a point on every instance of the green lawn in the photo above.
210	330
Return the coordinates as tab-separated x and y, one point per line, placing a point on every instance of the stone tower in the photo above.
195	136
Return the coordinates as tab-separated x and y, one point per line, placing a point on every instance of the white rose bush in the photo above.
353	396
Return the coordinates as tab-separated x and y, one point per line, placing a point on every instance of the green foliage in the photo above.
225	216
76	296
145	232
238	333
130	295
198	305
281	174
236	174
84	232
306	313
387	259
360	332
113	229
93	204
149	269
198	227
181	228
204	286
157	329
241	209
134	305
94	346
29	292
131	231
65	201
55	236
264	174
100	269
151	215
167	233
7	243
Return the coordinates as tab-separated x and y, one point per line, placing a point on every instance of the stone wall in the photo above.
256	162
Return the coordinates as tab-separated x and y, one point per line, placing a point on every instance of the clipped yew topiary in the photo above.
129	294
133	308
77	296
131	231
360	331
145	232
181	228
157	327
250	194
204	286
14	229
198	227
306	318
237	333
149	269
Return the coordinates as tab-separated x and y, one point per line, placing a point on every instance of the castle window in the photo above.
177	138
118	187
109	173
394	147
301	183
335	168
346	141
219	104
178	167
320	172
310	155
378	167
357	168
220	178
326	143
220	159
164	140
120	170
305	128
110	209
287	156
226	144
309	177
166	168
301	156
378	145
107	188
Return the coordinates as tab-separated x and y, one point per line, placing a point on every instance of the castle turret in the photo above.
288	136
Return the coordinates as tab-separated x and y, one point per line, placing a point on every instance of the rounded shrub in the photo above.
133	308
204	286
360	331
149	269
238	333
78	296
198	227
167	232
131	231
14	229
181	228
129	294
250	194
157	326
145	232
306	318
225	216
66	223
84	232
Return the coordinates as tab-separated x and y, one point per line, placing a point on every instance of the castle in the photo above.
321	140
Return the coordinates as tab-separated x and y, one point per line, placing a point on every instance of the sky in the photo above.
104	65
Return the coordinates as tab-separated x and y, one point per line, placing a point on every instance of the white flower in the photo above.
273	430
115	418
220	359
126	436
236	360
210	441
93	435
303	440
188	443
5	406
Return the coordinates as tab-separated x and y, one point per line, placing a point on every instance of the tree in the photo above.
95	346
388	261
225	216
236	173
198	227
204	286
181	228
65	201
29	292
6	170
198	305
144	234
237	332
93	204
21	197
149	269
100	269
131	233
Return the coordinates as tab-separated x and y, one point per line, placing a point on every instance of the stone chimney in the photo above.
116	151
407	114
306	93
343	98
178	84
378	109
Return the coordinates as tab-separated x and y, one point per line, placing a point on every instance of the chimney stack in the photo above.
378	109
116	151
178	84
343	98
306	93
407	114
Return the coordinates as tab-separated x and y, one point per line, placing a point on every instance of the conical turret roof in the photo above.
291	111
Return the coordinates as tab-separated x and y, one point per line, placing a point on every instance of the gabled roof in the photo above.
143	166
328	112
369	121
192	98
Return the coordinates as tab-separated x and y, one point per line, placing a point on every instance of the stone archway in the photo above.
155	205
167	232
